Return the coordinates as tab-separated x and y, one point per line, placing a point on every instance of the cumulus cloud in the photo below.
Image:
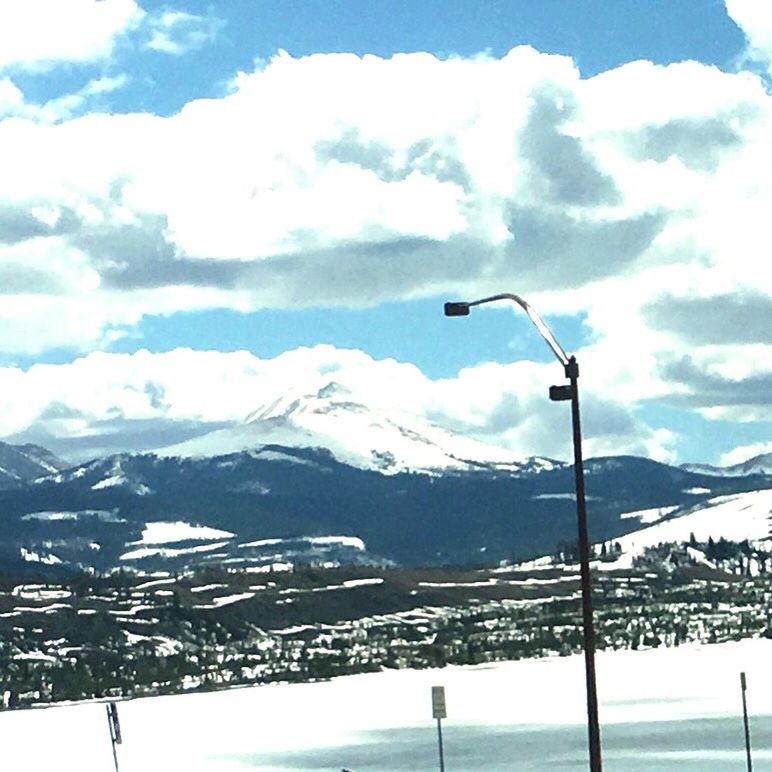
745	452
38	34
733	319
730	383
11	97
66	106
116	402
638	197
755	20
377	179
177	32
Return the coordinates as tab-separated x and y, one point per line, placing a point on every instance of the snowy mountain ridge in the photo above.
22	463
364	436
761	464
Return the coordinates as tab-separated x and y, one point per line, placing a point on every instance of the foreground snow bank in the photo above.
195	732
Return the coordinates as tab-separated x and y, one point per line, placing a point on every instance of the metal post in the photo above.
743	687
558	394
439	741
593	725
115	738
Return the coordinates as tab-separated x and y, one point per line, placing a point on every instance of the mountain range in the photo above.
322	477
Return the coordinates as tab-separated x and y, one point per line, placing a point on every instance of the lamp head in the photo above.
457	309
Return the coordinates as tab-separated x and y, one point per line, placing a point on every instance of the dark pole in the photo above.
593	726
439	741
559	394
113	734
743	687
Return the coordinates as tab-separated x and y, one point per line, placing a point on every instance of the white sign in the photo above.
438	702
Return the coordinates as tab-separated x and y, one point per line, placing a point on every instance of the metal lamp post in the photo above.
569	391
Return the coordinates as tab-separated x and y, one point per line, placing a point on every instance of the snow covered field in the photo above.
689	691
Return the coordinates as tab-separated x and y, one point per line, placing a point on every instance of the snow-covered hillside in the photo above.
363	436
735	518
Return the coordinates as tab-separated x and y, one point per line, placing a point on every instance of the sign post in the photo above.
746	725
115	730
439	711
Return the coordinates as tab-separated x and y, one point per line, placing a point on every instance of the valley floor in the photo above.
127	635
659	708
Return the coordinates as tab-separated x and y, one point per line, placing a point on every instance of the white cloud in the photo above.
744	453
37	34
66	106
639	197
754	18
109	402
178	32
11	97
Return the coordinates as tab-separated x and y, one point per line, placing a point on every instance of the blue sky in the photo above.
572	180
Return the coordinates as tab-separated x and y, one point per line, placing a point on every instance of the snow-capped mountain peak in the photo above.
298	401
331	416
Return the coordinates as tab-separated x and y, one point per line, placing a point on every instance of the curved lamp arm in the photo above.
462	309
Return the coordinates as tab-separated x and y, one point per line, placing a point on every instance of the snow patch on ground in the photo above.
119	480
652	515
34	557
263	543
106	516
226	600
532	581
169	532
169	552
155	582
342	541
567	496
322	541
362	582
269	568
38	592
207	587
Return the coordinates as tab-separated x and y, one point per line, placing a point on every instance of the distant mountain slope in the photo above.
757	465
356	434
734	517
20	463
281	503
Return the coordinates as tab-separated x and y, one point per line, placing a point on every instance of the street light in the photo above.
569	391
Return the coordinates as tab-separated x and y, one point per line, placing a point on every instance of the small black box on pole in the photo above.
561	393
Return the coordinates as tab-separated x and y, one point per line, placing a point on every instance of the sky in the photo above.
203	206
